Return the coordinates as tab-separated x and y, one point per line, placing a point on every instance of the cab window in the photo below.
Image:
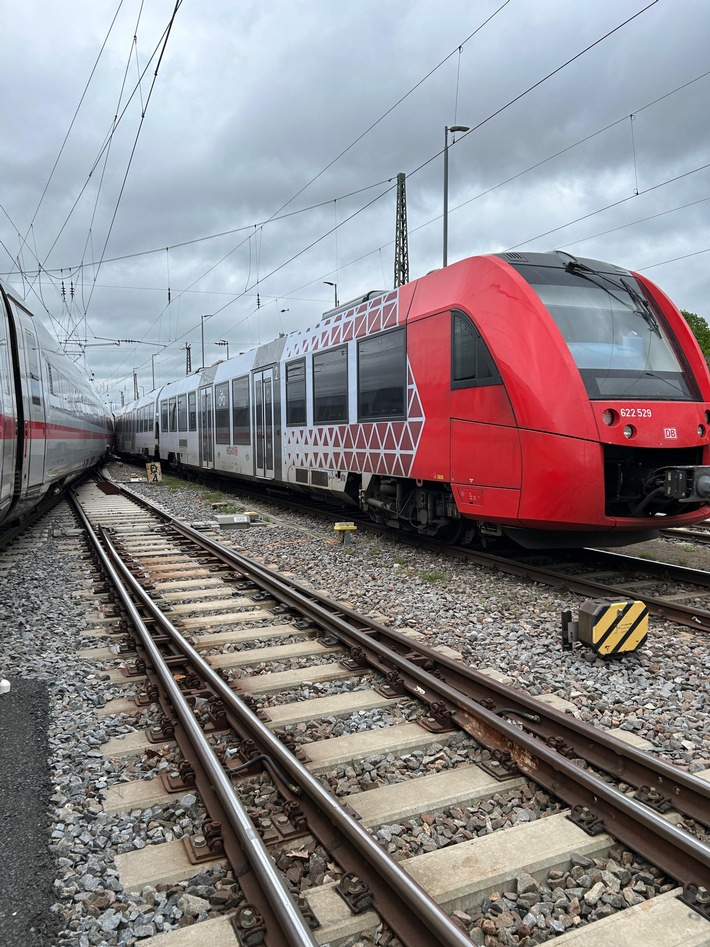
471	363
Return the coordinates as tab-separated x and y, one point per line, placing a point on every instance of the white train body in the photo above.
53	425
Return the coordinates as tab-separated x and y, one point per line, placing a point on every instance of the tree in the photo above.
701	331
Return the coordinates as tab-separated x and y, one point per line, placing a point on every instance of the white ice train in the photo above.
53	425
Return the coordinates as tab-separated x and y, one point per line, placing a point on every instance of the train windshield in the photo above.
621	347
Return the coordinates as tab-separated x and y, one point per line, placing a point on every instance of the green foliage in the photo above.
701	331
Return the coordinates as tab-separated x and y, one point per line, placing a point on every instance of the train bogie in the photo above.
547	398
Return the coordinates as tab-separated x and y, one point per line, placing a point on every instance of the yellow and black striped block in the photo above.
613	627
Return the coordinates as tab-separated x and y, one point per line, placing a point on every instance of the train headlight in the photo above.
609	416
629	431
707	417
701	430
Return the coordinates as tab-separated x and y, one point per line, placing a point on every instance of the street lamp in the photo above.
224	342
447	129
327	282
202	333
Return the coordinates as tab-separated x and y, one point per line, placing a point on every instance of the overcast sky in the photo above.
264	109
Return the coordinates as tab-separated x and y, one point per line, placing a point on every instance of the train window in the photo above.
192	410
382	376
330	386
182	412
221	413
172	414
33	364
619	341
163	416
471	362
296	393
240	411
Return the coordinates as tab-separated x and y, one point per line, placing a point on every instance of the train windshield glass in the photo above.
619	345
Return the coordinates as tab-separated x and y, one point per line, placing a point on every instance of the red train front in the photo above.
554	400
563	399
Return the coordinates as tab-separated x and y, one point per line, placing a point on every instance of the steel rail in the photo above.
426	911
294	930
9	534
663	608
678	853
687	793
697	619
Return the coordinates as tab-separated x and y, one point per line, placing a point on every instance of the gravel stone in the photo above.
661	694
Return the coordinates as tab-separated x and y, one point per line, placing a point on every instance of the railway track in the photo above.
670	592
249	648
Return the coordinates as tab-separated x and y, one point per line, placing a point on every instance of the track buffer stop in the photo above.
609	627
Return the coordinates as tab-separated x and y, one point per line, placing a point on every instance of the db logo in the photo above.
671	433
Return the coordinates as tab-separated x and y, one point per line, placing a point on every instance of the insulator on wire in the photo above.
168	295
258	301
64	292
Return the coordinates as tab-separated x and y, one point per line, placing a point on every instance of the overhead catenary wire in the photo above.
263	277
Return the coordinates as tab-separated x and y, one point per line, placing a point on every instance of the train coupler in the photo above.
608	627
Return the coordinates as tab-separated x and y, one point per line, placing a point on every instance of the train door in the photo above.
35	430
206	428
263	388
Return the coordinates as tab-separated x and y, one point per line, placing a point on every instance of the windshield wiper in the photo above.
643	309
643	303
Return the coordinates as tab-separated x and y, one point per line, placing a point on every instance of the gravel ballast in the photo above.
493	621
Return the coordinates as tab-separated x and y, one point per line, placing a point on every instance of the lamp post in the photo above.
152	368
327	282
202	333
224	342
447	129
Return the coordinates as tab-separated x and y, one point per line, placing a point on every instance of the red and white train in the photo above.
53	426
555	400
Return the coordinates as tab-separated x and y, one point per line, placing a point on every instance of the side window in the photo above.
33	362
471	362
382	376
182	412
163	416
240	411
192	410
296	393
330	386
221	413
172	414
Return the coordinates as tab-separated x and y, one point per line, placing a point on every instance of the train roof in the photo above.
560	259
